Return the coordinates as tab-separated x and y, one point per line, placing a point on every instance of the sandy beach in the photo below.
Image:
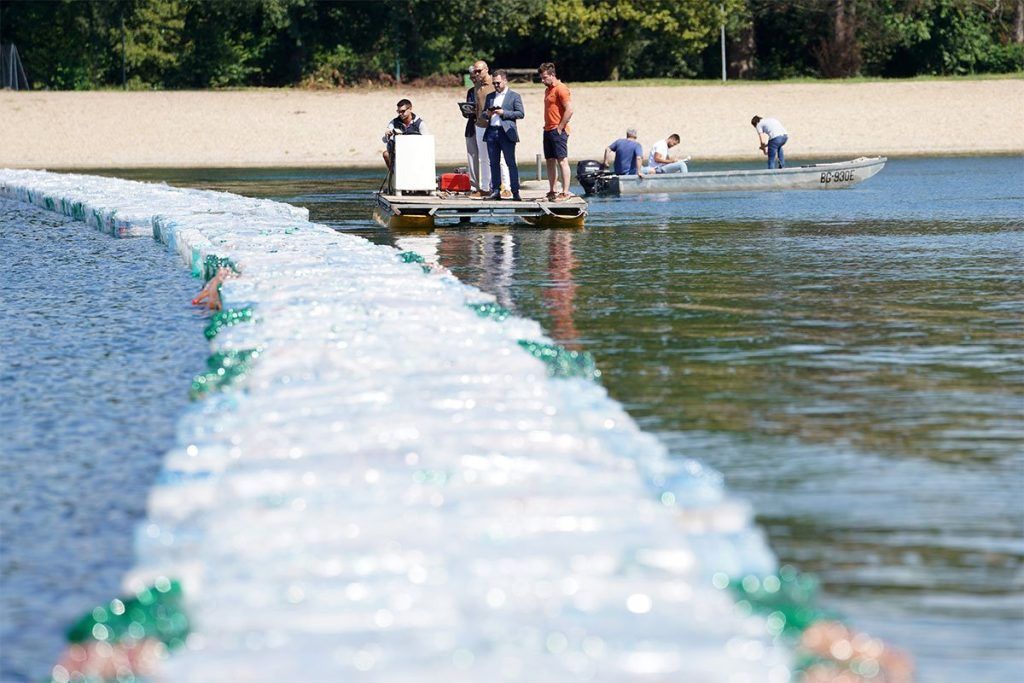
275	128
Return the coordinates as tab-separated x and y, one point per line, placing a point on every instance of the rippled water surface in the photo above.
98	342
853	362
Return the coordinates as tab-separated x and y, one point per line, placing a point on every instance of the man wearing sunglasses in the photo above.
501	136
476	148
406	123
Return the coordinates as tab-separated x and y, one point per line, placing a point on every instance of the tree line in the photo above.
85	44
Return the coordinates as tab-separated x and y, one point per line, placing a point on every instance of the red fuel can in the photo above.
455	182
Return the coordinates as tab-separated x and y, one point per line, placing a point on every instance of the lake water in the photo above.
852	361
98	344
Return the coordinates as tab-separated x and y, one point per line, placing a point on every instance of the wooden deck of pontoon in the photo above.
419	212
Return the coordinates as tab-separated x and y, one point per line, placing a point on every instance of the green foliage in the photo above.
154	39
784	31
337	66
71	44
61	43
445	37
597	39
223	45
1001	59
939	37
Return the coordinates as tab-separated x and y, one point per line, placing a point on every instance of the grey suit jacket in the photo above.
512	110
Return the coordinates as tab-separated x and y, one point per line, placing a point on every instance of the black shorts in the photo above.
556	145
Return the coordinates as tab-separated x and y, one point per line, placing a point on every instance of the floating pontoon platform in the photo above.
421	211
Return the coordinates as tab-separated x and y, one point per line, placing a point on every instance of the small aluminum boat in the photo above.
835	176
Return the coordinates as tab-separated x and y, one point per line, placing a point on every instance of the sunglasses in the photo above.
475	71
401	111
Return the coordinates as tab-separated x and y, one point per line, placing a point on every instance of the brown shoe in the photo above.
505	194
551	196
562	196
476	194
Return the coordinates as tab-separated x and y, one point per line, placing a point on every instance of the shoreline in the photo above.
104	130
523	163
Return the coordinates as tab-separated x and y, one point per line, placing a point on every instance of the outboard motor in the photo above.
589	172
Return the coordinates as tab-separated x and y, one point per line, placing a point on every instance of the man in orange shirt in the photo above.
557	112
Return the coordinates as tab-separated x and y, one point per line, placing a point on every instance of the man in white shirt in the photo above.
659	161
772	137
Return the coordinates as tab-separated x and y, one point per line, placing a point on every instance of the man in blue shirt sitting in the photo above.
629	155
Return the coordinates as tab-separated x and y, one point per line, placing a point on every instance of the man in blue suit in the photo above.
501	136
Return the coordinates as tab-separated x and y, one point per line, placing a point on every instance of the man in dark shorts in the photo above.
557	112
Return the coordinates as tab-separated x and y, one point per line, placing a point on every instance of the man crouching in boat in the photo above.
773	137
406	123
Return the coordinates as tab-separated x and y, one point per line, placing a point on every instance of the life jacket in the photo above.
412	129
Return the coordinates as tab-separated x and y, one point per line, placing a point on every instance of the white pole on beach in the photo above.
721	9
539	167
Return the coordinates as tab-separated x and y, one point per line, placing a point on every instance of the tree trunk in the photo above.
1018	22
846	37
742	52
615	54
839	55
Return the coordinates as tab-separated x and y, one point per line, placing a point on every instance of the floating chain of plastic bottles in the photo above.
413	257
226	318
124	640
213	263
562	362
155	612
106	221
73	209
493	311
825	648
225	367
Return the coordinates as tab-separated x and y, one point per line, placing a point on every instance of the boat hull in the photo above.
554	221
835	176
403	222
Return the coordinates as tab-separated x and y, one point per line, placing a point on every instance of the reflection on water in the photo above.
852	361
490	258
560	290
487	259
846	342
